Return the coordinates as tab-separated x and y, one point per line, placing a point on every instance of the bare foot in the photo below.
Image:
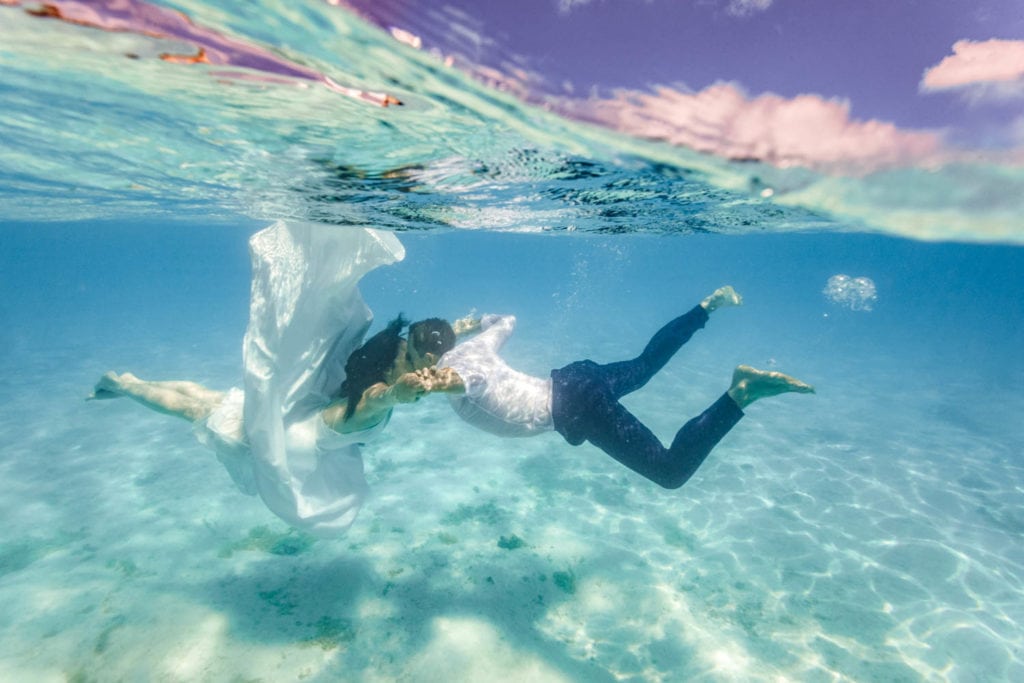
750	384
723	296
108	387
462	326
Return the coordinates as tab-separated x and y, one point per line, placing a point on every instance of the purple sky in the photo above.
841	86
870	52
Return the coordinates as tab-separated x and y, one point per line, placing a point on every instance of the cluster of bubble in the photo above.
855	293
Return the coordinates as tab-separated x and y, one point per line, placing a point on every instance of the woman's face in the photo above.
408	359
416	361
401	365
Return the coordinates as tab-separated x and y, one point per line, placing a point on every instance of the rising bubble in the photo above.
855	293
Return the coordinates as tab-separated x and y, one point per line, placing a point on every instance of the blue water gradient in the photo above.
870	531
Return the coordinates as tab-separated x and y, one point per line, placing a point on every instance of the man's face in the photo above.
416	361
408	359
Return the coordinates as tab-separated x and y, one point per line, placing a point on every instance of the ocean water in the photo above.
870	532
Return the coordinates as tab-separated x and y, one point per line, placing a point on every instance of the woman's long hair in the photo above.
370	363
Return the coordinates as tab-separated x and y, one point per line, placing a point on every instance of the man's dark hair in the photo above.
432	335
370	362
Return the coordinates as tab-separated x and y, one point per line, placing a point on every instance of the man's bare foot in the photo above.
750	384
723	296
108	387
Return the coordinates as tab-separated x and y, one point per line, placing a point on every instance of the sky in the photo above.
870	55
870	51
841	86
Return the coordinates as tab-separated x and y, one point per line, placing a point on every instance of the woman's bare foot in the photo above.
723	296
108	387
750	384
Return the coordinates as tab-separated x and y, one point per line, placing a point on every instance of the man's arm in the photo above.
379	399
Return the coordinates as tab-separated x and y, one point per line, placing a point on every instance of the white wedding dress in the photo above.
306	316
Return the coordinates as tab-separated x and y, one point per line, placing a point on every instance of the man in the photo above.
581	400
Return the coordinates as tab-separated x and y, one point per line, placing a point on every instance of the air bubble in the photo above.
855	293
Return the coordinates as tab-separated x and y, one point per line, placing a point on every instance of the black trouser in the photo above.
585	407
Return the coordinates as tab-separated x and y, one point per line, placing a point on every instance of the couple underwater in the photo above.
314	392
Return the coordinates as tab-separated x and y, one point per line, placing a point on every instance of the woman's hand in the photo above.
412	385
409	387
444	380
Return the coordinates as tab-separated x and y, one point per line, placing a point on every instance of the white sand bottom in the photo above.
854	535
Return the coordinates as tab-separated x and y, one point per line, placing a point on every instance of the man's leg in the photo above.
627	376
187	400
621	435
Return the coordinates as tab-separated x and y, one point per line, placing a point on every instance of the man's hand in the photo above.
409	387
412	385
444	380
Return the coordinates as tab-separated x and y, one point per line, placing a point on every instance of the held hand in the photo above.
409	387
413	385
447	380
443	380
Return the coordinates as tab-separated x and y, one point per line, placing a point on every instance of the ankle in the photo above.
739	394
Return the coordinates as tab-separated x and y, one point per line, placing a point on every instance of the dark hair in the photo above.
369	364
432	335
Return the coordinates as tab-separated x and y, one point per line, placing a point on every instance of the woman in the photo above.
383	372
310	395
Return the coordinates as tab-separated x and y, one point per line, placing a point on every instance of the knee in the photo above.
671	480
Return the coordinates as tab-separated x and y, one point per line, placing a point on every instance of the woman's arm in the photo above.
378	399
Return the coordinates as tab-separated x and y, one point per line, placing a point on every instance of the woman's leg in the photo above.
187	400
192	390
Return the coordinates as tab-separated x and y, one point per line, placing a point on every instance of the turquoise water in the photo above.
871	532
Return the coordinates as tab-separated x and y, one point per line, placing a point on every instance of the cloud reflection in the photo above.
807	130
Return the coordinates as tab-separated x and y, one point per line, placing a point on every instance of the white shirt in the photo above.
498	399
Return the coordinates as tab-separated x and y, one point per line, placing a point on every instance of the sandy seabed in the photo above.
853	535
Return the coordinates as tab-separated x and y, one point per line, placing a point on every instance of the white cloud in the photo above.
993	93
806	130
744	8
567	6
990	70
